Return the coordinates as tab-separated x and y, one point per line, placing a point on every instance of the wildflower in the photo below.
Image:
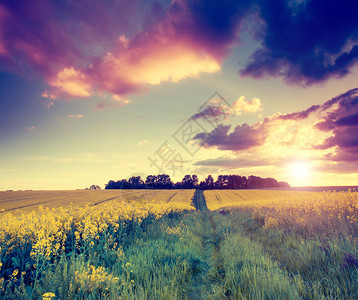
48	296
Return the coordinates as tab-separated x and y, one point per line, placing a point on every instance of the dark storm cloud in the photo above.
303	41
306	41
213	24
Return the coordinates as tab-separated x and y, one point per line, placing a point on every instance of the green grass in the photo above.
263	263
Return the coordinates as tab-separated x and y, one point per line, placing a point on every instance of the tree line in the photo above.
163	181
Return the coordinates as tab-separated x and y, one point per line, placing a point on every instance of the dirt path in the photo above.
211	257
199	201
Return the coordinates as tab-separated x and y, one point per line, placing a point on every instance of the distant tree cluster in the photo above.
163	181
93	187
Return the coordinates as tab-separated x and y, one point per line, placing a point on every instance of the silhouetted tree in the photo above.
136	182
195	181
93	187
283	184
163	181
190	182
222	182
254	182
151	181
110	185
208	183
178	185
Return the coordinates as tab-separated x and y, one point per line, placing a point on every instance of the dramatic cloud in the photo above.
243	137
342	122
323	132
49	36
306	41
82	48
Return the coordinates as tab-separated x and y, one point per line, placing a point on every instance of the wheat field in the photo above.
18	202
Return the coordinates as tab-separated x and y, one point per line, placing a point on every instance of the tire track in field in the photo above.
51	201
57	197
30	197
139	192
240	196
211	256
24	206
172	196
105	200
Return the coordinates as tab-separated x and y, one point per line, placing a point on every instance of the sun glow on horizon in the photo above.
300	173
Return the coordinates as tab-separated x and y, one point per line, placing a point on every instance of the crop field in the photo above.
18	202
178	244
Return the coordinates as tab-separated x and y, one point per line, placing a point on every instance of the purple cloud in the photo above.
82	48
85	47
351	120
300	115
338	116
243	137
46	37
342	122
212	113
305	41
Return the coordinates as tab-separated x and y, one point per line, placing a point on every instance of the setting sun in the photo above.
300	173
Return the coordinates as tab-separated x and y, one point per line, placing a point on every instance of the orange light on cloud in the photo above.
170	62
132	68
242	105
73	83
173	64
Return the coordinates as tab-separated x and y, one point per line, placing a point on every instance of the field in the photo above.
178	244
18	202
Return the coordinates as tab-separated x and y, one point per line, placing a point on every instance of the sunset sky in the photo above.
92	91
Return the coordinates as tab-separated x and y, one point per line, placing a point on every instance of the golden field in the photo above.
18	202
332	211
